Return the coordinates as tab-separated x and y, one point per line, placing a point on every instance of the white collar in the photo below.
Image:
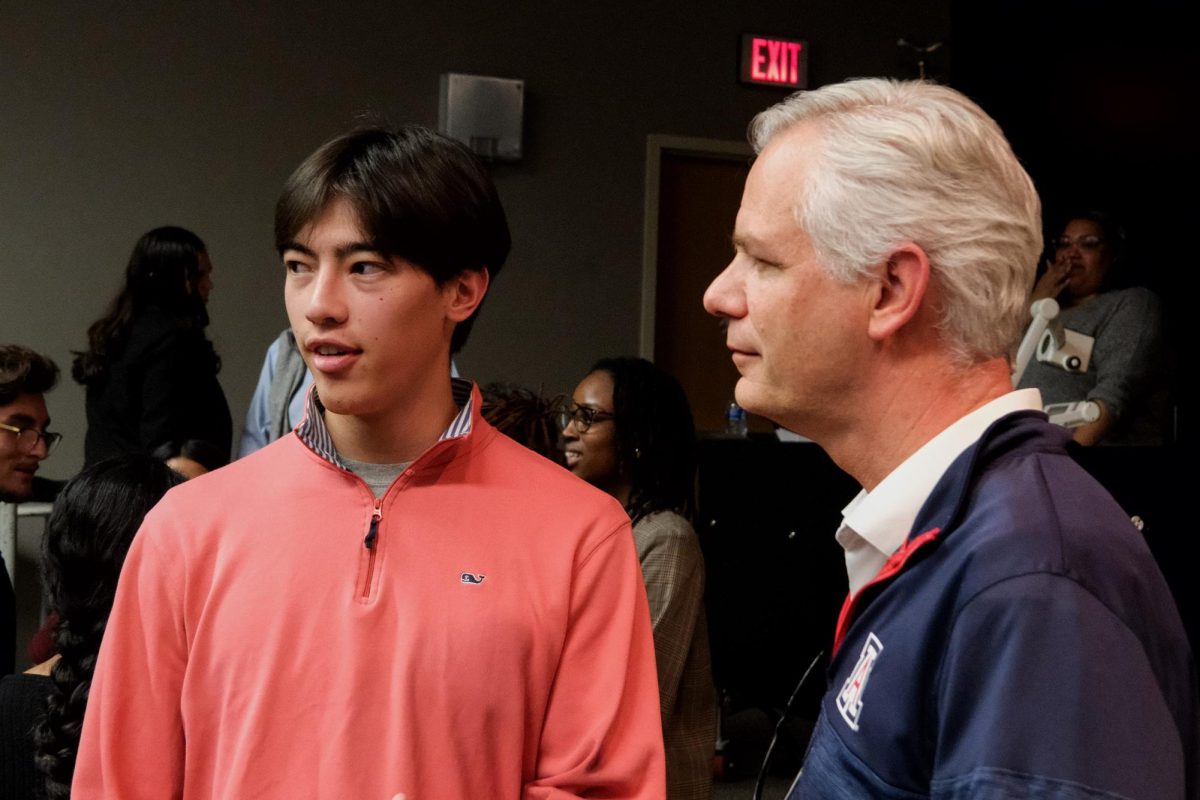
875	524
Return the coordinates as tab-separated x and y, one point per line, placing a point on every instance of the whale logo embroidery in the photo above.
472	578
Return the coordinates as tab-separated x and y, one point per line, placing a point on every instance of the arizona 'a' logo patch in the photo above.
849	699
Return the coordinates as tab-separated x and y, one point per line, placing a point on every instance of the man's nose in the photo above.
326	299
719	296
41	449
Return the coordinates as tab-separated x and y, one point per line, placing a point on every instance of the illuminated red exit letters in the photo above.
772	61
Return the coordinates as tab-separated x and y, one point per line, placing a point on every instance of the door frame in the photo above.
657	146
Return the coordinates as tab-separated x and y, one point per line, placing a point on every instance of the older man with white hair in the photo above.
1007	633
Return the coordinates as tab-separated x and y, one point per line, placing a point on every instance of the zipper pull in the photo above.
373	531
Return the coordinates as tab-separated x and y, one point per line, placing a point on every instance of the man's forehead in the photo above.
26	409
768	210
338	220
784	164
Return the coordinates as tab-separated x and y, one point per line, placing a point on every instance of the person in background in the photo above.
149	371
1008	632
25	377
277	405
1126	378
87	536
629	431
524	416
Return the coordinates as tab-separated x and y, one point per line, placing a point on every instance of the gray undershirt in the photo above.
378	476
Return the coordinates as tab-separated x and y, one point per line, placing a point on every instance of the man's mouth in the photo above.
572	457
332	357
332	350
741	356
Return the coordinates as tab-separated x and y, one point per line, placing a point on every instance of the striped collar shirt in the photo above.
313	432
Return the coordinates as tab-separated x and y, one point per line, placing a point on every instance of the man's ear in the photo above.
464	292
900	288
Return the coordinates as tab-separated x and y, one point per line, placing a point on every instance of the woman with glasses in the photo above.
1126	376
87	536
149	370
628	430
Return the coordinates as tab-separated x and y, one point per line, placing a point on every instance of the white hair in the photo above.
909	161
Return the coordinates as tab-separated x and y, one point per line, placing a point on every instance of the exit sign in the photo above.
772	61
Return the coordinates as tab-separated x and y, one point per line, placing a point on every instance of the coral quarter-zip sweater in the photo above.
480	632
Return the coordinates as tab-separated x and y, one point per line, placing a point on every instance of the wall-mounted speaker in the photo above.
483	113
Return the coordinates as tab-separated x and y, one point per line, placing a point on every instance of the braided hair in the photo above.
87	537
524	415
655	436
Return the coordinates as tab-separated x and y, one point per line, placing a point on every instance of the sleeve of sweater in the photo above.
1126	349
602	736
132	744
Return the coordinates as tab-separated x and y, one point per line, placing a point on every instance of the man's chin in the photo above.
757	400
16	491
345	401
751	397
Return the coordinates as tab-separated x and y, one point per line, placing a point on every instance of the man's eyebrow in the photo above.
744	241
341	251
22	419
356	247
299	248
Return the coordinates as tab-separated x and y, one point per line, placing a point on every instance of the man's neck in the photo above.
399	434
905	408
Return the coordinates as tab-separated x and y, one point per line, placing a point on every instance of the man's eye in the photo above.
366	268
295	266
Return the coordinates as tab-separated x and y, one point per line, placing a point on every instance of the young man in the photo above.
394	599
1008	633
25	377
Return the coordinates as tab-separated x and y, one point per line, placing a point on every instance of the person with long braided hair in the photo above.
86	539
628	431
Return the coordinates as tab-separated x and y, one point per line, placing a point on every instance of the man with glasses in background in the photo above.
25	377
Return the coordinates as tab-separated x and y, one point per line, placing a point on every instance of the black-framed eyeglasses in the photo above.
1089	242
582	416
27	438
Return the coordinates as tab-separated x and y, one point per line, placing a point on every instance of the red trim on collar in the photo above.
890	569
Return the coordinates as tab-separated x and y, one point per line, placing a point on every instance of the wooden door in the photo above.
694	188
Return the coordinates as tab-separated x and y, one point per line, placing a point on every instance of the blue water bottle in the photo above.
736	423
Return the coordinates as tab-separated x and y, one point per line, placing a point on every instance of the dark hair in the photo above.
23	371
206	454
163	271
656	438
87	537
525	416
419	196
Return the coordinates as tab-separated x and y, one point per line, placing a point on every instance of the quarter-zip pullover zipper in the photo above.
370	542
